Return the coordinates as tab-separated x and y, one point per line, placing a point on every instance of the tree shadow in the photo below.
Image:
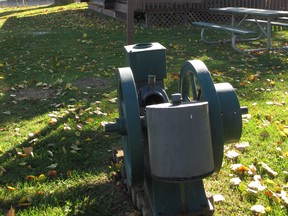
80	155
85	198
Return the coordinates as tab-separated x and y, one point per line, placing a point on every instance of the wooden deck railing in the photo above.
205	4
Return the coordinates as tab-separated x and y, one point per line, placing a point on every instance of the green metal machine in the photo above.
170	145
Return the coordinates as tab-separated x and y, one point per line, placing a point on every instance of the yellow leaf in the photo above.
41	177
276	199
244	83
272	83
90	120
268	209
22	199
252	77
53	121
11	188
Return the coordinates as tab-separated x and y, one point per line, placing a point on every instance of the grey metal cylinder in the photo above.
180	146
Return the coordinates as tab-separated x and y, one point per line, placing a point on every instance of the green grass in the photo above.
57	84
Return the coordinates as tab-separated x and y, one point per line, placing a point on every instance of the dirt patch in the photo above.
35	94
92	83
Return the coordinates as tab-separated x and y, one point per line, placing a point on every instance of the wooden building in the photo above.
177	12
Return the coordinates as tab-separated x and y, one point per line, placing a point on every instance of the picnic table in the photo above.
262	17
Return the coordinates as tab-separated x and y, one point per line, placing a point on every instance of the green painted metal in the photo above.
136	91
146	59
195	74
130	117
170	199
231	112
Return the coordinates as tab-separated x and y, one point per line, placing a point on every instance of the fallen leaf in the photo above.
102	124
269	193
24	201
50	153
10	188
268	169
256	185
41	177
235	181
113	100
269	102
30	177
258	209
31	134
52	166
53	121
232	154
252	170
2	171
239	168
52	173
39	84
75	147
20	154
11	212
218	198
242	146
64	150
28	151
89	120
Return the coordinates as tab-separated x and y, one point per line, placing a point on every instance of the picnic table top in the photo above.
251	11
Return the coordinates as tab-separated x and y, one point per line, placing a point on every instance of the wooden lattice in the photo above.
182	18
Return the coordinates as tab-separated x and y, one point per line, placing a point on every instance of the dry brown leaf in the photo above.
52	173
258	209
242	146
235	181
268	169
232	154
218	198
239	168
11	212
28	151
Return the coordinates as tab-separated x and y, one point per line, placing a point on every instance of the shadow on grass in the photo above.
86	195
85	198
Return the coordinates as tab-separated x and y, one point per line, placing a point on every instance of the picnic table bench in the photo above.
265	22
269	17
234	30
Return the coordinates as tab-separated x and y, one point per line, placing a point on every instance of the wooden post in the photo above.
130	22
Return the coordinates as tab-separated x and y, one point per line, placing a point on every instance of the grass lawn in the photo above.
58	84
